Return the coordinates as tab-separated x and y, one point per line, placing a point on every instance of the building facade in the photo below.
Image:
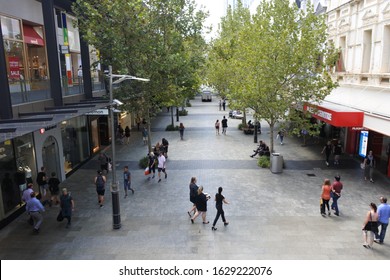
49	111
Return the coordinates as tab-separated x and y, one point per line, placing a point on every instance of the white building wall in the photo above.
30	10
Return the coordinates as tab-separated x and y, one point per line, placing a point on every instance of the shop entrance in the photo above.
50	156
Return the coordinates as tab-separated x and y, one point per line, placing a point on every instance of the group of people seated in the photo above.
262	150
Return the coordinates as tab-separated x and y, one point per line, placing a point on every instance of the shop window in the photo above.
11	28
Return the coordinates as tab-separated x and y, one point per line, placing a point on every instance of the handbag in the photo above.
109	166
60	218
147	171
362	165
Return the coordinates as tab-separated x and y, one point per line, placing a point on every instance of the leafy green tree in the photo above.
282	62
159	40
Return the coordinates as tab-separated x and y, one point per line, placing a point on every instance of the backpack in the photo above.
99	182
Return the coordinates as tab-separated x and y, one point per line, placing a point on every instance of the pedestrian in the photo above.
127	134
220	104
201	205
337	150
54	189
224	104
100	182
165	145
383	219
103	160
325	196
369	165
280	135
67	206
26	196
138	121
145	135
327	150
152	165
217	124
337	186
161	166
224	125
193	194
370	226
127	180
219	201
120	133
34	207
43	186
181	130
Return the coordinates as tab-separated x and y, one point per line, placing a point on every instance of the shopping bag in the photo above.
147	171
109	166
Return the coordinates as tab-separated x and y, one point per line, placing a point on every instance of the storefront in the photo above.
75	140
17	168
25	54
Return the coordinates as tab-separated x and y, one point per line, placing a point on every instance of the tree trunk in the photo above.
172	123
177	114
149	136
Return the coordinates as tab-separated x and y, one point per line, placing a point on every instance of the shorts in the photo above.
161	169
100	192
127	185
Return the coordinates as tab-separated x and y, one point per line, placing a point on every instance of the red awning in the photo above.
31	36
336	115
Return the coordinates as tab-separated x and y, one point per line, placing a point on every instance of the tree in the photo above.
282	62
150	39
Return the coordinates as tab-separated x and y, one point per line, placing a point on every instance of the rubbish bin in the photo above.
276	163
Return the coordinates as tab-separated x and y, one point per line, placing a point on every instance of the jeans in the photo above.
334	205
325	202
381	235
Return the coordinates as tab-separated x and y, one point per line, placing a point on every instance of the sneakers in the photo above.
226	223
101	206
372	181
213	228
132	191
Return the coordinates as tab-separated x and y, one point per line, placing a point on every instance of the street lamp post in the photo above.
116	215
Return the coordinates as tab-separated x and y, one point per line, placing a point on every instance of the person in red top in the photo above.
325	195
337	186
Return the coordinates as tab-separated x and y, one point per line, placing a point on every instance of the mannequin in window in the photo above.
27	171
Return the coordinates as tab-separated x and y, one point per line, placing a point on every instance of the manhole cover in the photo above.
311	175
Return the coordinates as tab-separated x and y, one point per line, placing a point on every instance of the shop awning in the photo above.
31	36
336	115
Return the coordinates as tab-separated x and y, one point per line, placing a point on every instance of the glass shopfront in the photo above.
75	142
25	54
17	168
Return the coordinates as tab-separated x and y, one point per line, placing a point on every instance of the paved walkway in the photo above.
272	216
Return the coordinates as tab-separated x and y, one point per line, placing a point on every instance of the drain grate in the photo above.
311	175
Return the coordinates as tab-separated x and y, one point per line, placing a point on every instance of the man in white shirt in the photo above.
161	166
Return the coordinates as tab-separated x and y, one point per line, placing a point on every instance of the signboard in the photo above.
14	70
363	143
100	112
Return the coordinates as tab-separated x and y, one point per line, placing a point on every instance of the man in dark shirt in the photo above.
337	186
43	186
224	125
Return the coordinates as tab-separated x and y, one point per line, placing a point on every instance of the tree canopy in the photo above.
273	61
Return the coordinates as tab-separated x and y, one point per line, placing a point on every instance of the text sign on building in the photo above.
320	113
363	143
100	112
14	69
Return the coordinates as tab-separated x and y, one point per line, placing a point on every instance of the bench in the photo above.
248	130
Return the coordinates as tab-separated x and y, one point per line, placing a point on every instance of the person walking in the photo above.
325	196
370	226
220	104
383	219
67	206
224	104
217	125
181	130
161	166
337	150
327	150
201	205
224	125
26	196
369	165
127	134
337	186
54	189
193	194
34	208
43	186
127	180
165	145
219	200
103	160
280	135
100	182
145	135
152	165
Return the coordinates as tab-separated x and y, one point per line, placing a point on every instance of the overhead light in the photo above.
117	102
